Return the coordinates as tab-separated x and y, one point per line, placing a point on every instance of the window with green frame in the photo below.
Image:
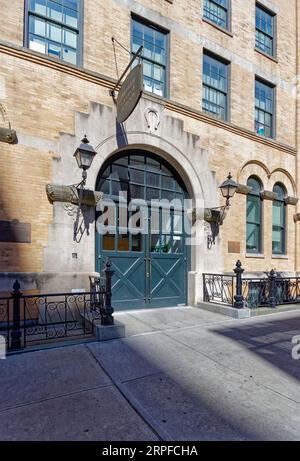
278	221
254	217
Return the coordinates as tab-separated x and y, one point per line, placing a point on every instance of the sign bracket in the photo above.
136	55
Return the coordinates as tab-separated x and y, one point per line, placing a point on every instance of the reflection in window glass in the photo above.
108	242
54	28
264	34
137	242
154	55
155	243
166	244
123	242
177	244
254	217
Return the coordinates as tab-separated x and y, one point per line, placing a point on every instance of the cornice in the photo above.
107	82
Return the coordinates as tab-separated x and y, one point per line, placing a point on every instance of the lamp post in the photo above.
228	189
84	155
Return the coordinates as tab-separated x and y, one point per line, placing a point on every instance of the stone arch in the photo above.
267	177
159	146
282	176
254	168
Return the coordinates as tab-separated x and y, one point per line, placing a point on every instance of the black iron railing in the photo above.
237	291
219	288
39	318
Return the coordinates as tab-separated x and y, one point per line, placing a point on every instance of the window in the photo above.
264	109
265	30
54	28
254	217
215	87
154	55
217	11
279	219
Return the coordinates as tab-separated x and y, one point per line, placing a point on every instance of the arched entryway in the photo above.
143	235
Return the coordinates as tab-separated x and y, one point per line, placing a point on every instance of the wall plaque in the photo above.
15	231
130	93
234	247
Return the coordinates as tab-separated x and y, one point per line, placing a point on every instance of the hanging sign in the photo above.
130	93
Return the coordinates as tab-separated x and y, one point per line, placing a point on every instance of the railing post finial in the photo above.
16	330
238	299
272	288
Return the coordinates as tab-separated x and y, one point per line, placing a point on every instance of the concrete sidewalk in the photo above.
181	374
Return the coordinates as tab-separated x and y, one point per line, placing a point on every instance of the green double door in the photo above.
150	258
150	268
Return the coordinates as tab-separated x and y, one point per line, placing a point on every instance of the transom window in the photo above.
264	109
137	177
279	219
215	87
154	55
265	30
217	11
54	28
254	217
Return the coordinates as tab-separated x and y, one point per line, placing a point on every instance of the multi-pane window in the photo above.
264	109
278	230
54	28
217	12
215	87
265	30
254	217
154	55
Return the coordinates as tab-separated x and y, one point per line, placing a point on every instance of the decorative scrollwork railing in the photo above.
219	288
236	291
39	318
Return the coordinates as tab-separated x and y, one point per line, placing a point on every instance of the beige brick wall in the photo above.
41	102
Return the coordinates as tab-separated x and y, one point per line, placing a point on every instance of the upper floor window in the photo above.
154	55
265	30
254	217
279	219
217	11
54	28
264	109
215	87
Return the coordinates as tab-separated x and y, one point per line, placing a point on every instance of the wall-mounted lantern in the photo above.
228	189
217	215
84	155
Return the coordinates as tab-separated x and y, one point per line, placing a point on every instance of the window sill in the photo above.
255	255
221	29
280	257
272	58
264	137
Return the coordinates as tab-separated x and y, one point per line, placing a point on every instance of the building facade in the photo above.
221	94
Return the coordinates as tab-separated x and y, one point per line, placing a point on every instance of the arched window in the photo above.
254	217
279	220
